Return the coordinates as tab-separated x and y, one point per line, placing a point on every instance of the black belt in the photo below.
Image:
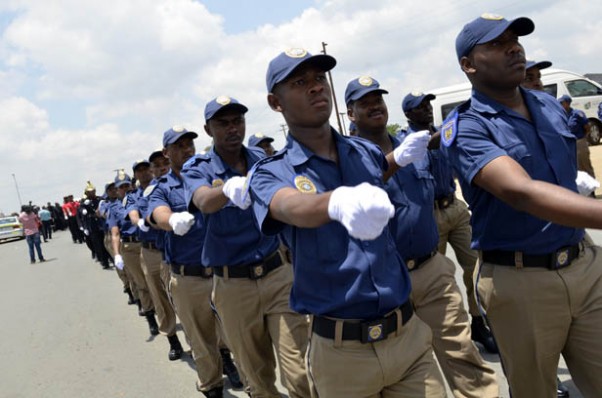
445	201
254	270
415	263
559	259
149	245
129	239
364	331
192	270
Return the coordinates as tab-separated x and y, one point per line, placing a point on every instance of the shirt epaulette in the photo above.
195	161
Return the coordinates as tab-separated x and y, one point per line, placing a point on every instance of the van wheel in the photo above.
595	132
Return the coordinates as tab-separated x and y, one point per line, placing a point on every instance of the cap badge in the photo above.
365	81
223	100
417	93
89	187
296	52
177	129
304	185
491	17
121	175
218	182
259	135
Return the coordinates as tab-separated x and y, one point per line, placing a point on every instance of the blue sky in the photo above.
88	87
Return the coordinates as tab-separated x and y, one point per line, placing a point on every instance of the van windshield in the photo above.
551	89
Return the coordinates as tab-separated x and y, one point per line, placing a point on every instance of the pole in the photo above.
18	193
283	126
344	124
334	98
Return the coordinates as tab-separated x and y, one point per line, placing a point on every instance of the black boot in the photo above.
230	369
141	312
131	299
482	334
175	348
217	392
152	323
561	390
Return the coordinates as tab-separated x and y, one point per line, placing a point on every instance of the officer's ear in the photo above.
165	153
208	130
350	113
467	65
274	102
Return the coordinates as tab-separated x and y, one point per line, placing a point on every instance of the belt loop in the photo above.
399	321
182	273
226	274
338	334
480	255
518	260
310	326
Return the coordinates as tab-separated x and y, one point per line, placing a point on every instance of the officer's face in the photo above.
143	174
369	113
498	64
303	98
179	152
422	114
227	129
112	192
123	190
159	166
533	79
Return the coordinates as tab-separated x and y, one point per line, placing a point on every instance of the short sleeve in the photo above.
263	185
194	177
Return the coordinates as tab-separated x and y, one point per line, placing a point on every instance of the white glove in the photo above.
86	232
413	147
142	225
84	212
81	229
181	222
119	262
364	210
236	191
586	184
87	202
66	218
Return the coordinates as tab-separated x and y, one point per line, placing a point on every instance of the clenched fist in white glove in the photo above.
236	191
413	148
84	212
586	184
364	210
86	232
142	225
119	262
181	222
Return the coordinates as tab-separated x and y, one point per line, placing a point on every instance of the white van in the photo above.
586	95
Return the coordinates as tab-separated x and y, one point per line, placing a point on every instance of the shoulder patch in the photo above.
149	190
304	184
124	201
449	129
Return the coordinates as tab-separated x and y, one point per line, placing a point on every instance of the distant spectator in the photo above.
46	218
32	234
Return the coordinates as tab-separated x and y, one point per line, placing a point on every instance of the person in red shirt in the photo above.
70	213
30	222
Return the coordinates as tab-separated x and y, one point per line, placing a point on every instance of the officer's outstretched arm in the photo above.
160	217
504	178
209	199
115	239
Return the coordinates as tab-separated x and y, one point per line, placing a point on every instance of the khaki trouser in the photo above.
257	320
120	273
131	258
151	266
400	366
438	302
584	162
165	275
191	295
536	314
453	223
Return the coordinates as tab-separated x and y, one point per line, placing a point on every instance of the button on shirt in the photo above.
233	236
334	274
411	190
185	249
544	147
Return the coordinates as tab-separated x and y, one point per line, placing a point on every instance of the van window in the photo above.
551	89
582	88
447	108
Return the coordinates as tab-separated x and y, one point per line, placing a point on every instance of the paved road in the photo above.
68	332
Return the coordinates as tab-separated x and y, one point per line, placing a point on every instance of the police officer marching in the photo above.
93	225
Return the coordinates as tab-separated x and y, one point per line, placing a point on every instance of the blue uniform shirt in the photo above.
577	122
118	218
335	275
137	201
544	147
440	169
233	236
104	208
411	190
181	250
